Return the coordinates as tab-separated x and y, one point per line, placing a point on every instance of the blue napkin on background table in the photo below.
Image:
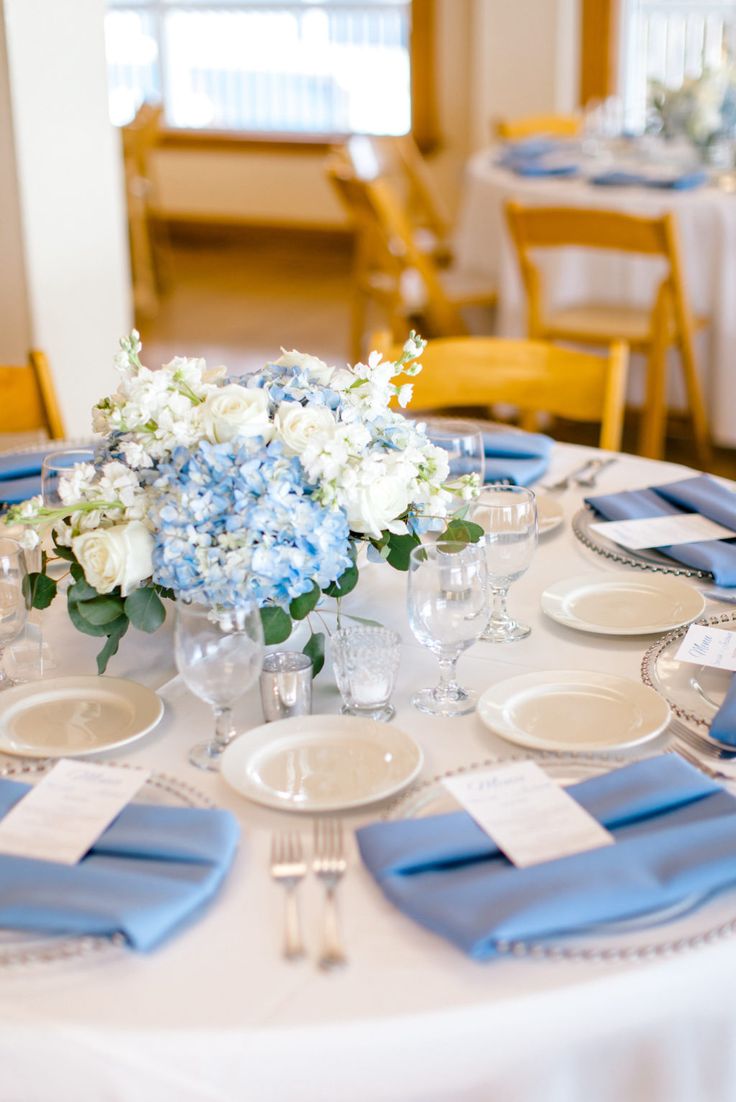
517	457
539	168
700	494
675	832
153	868
20	474
622	178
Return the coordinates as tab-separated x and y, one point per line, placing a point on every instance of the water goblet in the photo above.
463	442
58	465
447	599
508	516
13	599
218	654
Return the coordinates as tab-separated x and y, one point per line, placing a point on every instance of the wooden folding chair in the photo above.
533	376
530	126
139	139
650	331
28	398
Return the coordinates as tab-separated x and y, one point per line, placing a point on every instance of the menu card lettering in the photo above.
662	531
529	817
705	646
67	811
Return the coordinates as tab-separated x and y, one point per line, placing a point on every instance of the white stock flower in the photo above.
234	410
297	426
121	555
317	369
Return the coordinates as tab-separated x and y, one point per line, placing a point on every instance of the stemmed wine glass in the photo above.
508	516
219	654
13	599
463	442
447	612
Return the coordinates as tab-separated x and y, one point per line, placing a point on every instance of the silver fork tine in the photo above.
329	866
288	867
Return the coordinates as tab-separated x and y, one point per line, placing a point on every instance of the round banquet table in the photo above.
706	219
216	1015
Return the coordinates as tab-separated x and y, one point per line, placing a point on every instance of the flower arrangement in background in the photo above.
702	109
228	492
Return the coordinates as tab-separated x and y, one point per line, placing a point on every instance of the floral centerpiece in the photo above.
702	109
228	491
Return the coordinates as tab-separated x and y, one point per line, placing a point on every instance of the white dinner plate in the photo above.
573	710
622	605
550	513
75	716
321	763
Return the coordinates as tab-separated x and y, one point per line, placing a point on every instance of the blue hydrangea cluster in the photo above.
291	383
237	521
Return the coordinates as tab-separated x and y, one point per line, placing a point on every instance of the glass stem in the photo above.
224	730
448	686
499	609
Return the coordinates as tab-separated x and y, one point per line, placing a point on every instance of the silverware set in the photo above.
289	866
586	475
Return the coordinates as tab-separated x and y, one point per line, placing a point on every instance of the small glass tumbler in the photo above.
58	465
366	662
286	685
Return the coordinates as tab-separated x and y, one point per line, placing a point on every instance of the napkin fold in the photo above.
723	724
700	494
516	457
675	833
20	474
539	168
152	869
621	178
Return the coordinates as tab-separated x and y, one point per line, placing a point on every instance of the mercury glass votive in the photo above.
366	663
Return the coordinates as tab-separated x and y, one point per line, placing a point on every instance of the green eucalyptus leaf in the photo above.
463	531
63	552
81	623
276	625
399	550
144	609
82	590
38	590
314	649
301	606
111	647
345	584
101	611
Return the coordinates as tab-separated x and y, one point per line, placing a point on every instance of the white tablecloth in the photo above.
215	1015
706	219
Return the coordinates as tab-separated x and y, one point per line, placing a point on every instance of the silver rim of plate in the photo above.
679	683
640	560
687	926
19	948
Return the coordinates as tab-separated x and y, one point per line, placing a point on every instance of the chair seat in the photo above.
600	323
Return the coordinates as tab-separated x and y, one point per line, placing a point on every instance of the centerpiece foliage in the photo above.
229	491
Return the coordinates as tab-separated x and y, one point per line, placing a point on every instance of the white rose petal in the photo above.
376	504
121	555
317	369
234	410
296	425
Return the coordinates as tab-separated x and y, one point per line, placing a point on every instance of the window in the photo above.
670	40
268	67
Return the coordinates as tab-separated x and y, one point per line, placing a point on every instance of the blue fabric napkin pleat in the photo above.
675	838
20	474
700	494
622	178
539	168
723	724
150	871
516	457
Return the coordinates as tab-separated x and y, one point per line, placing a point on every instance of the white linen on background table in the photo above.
706	221
215	1015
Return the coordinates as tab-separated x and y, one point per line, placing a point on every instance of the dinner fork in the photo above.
564	482
288	867
329	865
599	465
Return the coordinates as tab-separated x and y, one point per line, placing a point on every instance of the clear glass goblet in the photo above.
447	599
13	599
463	442
58	465
218	653
508	517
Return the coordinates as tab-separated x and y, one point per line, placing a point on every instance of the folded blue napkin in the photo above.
539	168
526	149
517	457
153	868
723	725
700	494
621	178
675	832
15	490
20	474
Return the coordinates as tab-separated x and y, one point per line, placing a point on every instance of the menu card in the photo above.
529	817
706	646
67	811
662	531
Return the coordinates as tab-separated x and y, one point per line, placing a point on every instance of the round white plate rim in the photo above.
268	734
553	516
556	679
112	686
566	586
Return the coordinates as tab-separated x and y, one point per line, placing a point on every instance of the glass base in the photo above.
459	703
205	756
505	632
383	714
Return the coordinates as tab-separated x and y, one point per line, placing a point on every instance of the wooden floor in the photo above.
239	299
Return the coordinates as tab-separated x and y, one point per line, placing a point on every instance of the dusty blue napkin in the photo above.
20	474
517	457
700	494
675	832
539	168
621	178
723	726
152	869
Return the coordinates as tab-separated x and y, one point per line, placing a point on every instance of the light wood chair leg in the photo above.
698	415
654	414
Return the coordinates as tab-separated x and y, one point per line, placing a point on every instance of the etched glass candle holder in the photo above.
366	662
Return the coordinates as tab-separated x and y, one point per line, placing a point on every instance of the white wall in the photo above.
69	183
15	321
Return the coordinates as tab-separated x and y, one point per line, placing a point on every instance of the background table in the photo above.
216	1016
706	219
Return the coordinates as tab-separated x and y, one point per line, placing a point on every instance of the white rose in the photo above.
316	369
297	425
234	410
121	555
374	505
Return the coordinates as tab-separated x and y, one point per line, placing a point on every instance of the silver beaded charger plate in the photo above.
694	693
646	559
690	924
19	948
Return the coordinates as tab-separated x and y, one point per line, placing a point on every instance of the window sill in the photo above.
238	141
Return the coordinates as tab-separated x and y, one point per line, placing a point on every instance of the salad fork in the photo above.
329	865
288	867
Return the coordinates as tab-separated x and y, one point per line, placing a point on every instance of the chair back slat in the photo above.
28	399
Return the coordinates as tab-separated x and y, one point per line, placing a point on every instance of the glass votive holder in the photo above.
286	685
58	465
366	662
